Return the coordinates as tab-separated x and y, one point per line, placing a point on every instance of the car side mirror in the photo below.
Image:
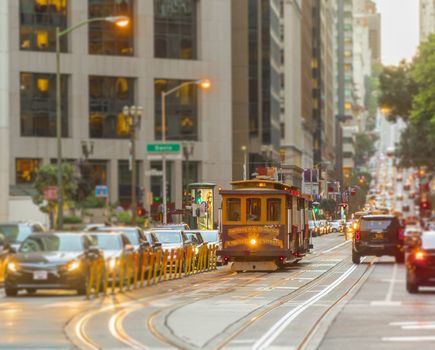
145	245
93	251
129	248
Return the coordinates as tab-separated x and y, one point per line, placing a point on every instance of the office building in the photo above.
105	68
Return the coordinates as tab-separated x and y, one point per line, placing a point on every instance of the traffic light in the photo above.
316	210
140	212
198	197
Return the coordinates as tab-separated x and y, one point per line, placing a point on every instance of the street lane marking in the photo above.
429	338
421	326
388	301
336	247
385	303
411	323
268	338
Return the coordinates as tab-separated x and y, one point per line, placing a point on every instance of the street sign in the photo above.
50	193
101	191
153	172
164	148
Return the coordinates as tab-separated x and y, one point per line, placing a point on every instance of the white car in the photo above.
336	226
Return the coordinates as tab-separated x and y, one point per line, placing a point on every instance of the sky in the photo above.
400	29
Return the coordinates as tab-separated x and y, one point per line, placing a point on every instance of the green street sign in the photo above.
163	148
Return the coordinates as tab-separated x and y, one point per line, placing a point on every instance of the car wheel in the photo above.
31	290
11	292
400	258
356	258
411	283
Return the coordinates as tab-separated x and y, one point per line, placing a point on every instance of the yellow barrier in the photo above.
147	267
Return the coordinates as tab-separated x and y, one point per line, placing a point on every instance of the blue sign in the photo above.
101	191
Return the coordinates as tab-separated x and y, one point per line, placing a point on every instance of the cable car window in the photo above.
274	209
233	209
253	209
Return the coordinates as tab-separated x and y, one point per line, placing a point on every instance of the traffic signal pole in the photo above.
164	180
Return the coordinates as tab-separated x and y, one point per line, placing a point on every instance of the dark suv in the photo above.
378	235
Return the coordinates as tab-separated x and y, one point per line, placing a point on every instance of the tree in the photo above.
398	89
364	147
47	176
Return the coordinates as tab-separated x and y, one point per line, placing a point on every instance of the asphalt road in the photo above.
323	302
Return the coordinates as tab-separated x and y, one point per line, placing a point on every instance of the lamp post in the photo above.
204	84
134	117
244	149
120	21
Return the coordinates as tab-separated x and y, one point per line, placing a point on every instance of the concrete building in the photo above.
323	84
307	82
292	137
104	69
427	18
257	72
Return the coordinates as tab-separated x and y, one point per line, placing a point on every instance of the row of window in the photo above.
107	97
175	27
253	209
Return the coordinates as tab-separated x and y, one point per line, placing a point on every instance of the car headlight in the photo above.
112	264
13	266
73	265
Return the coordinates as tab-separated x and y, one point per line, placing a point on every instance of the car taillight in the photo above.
357	235
420	255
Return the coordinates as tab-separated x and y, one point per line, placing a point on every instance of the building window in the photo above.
38	104
105	38
98	173
175	27
107	97
124	183
190	172
38	22
181	111
25	170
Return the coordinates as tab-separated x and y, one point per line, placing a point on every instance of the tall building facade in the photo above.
257	67
427	18
168	42
322	82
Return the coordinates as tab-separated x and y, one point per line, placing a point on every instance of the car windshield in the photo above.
428	240
376	224
210	236
168	236
107	242
150	237
55	243
131	233
16	233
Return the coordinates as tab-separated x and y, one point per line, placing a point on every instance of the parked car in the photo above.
378	235
135	235
172	239
211	237
115	246
16	232
420	263
181	226
50	261
336	226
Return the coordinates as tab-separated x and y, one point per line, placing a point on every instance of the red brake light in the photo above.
357	235
420	255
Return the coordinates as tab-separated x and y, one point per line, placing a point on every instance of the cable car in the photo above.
263	224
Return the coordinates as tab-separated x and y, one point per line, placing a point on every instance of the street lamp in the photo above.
133	115
120	21
244	149
202	83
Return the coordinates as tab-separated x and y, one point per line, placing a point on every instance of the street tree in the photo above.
47	176
397	90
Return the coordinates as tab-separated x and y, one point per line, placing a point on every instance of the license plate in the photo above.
379	235
40	275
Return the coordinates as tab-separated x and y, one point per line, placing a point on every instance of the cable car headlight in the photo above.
253	241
